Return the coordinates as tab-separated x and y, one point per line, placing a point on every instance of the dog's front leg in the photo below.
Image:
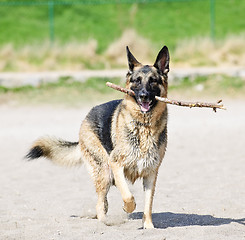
120	181
149	183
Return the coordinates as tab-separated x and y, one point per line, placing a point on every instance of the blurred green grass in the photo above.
65	92
68	92
160	22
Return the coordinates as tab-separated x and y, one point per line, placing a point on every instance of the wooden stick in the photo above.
121	89
169	101
193	104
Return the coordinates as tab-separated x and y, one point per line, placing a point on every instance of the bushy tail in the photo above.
58	151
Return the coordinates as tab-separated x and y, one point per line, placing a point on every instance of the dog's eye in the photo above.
152	80
136	80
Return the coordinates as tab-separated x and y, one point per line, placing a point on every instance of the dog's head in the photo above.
148	81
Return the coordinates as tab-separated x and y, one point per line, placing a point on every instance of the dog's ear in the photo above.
132	62
162	61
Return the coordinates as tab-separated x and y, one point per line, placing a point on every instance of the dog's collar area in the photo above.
140	124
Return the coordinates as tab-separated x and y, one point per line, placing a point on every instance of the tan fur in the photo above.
137	164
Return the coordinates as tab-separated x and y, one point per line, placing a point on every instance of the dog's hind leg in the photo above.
149	183
102	179
102	187
102	205
102	182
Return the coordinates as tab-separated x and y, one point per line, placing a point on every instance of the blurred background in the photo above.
206	39
55	58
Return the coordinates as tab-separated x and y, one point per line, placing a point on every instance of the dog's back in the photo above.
99	118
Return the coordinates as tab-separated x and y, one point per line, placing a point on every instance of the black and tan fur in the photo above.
121	139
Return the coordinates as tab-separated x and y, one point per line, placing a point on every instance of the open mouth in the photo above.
145	106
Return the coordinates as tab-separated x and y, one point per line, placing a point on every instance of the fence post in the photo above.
51	21
212	19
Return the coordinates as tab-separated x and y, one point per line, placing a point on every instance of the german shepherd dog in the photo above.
121	139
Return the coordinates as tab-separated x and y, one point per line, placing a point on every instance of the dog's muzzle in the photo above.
144	101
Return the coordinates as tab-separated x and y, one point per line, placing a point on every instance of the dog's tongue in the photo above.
145	106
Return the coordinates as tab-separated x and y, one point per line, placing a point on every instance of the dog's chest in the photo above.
142	149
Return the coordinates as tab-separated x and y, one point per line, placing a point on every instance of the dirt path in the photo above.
200	190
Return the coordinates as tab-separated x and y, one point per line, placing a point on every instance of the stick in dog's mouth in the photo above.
214	106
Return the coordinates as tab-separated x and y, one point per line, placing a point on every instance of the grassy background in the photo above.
27	29
67	92
160	22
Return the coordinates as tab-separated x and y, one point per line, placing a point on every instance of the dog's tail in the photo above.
58	151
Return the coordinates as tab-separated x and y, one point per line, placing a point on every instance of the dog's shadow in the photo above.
168	219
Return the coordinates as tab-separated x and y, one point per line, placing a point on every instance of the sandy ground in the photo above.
200	191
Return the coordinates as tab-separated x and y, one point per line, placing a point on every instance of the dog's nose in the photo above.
144	95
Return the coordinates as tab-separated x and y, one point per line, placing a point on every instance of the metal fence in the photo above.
51	5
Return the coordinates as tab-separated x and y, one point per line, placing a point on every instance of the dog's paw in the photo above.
147	222
129	205
148	225
101	217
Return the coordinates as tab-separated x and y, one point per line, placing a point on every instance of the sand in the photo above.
200	192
